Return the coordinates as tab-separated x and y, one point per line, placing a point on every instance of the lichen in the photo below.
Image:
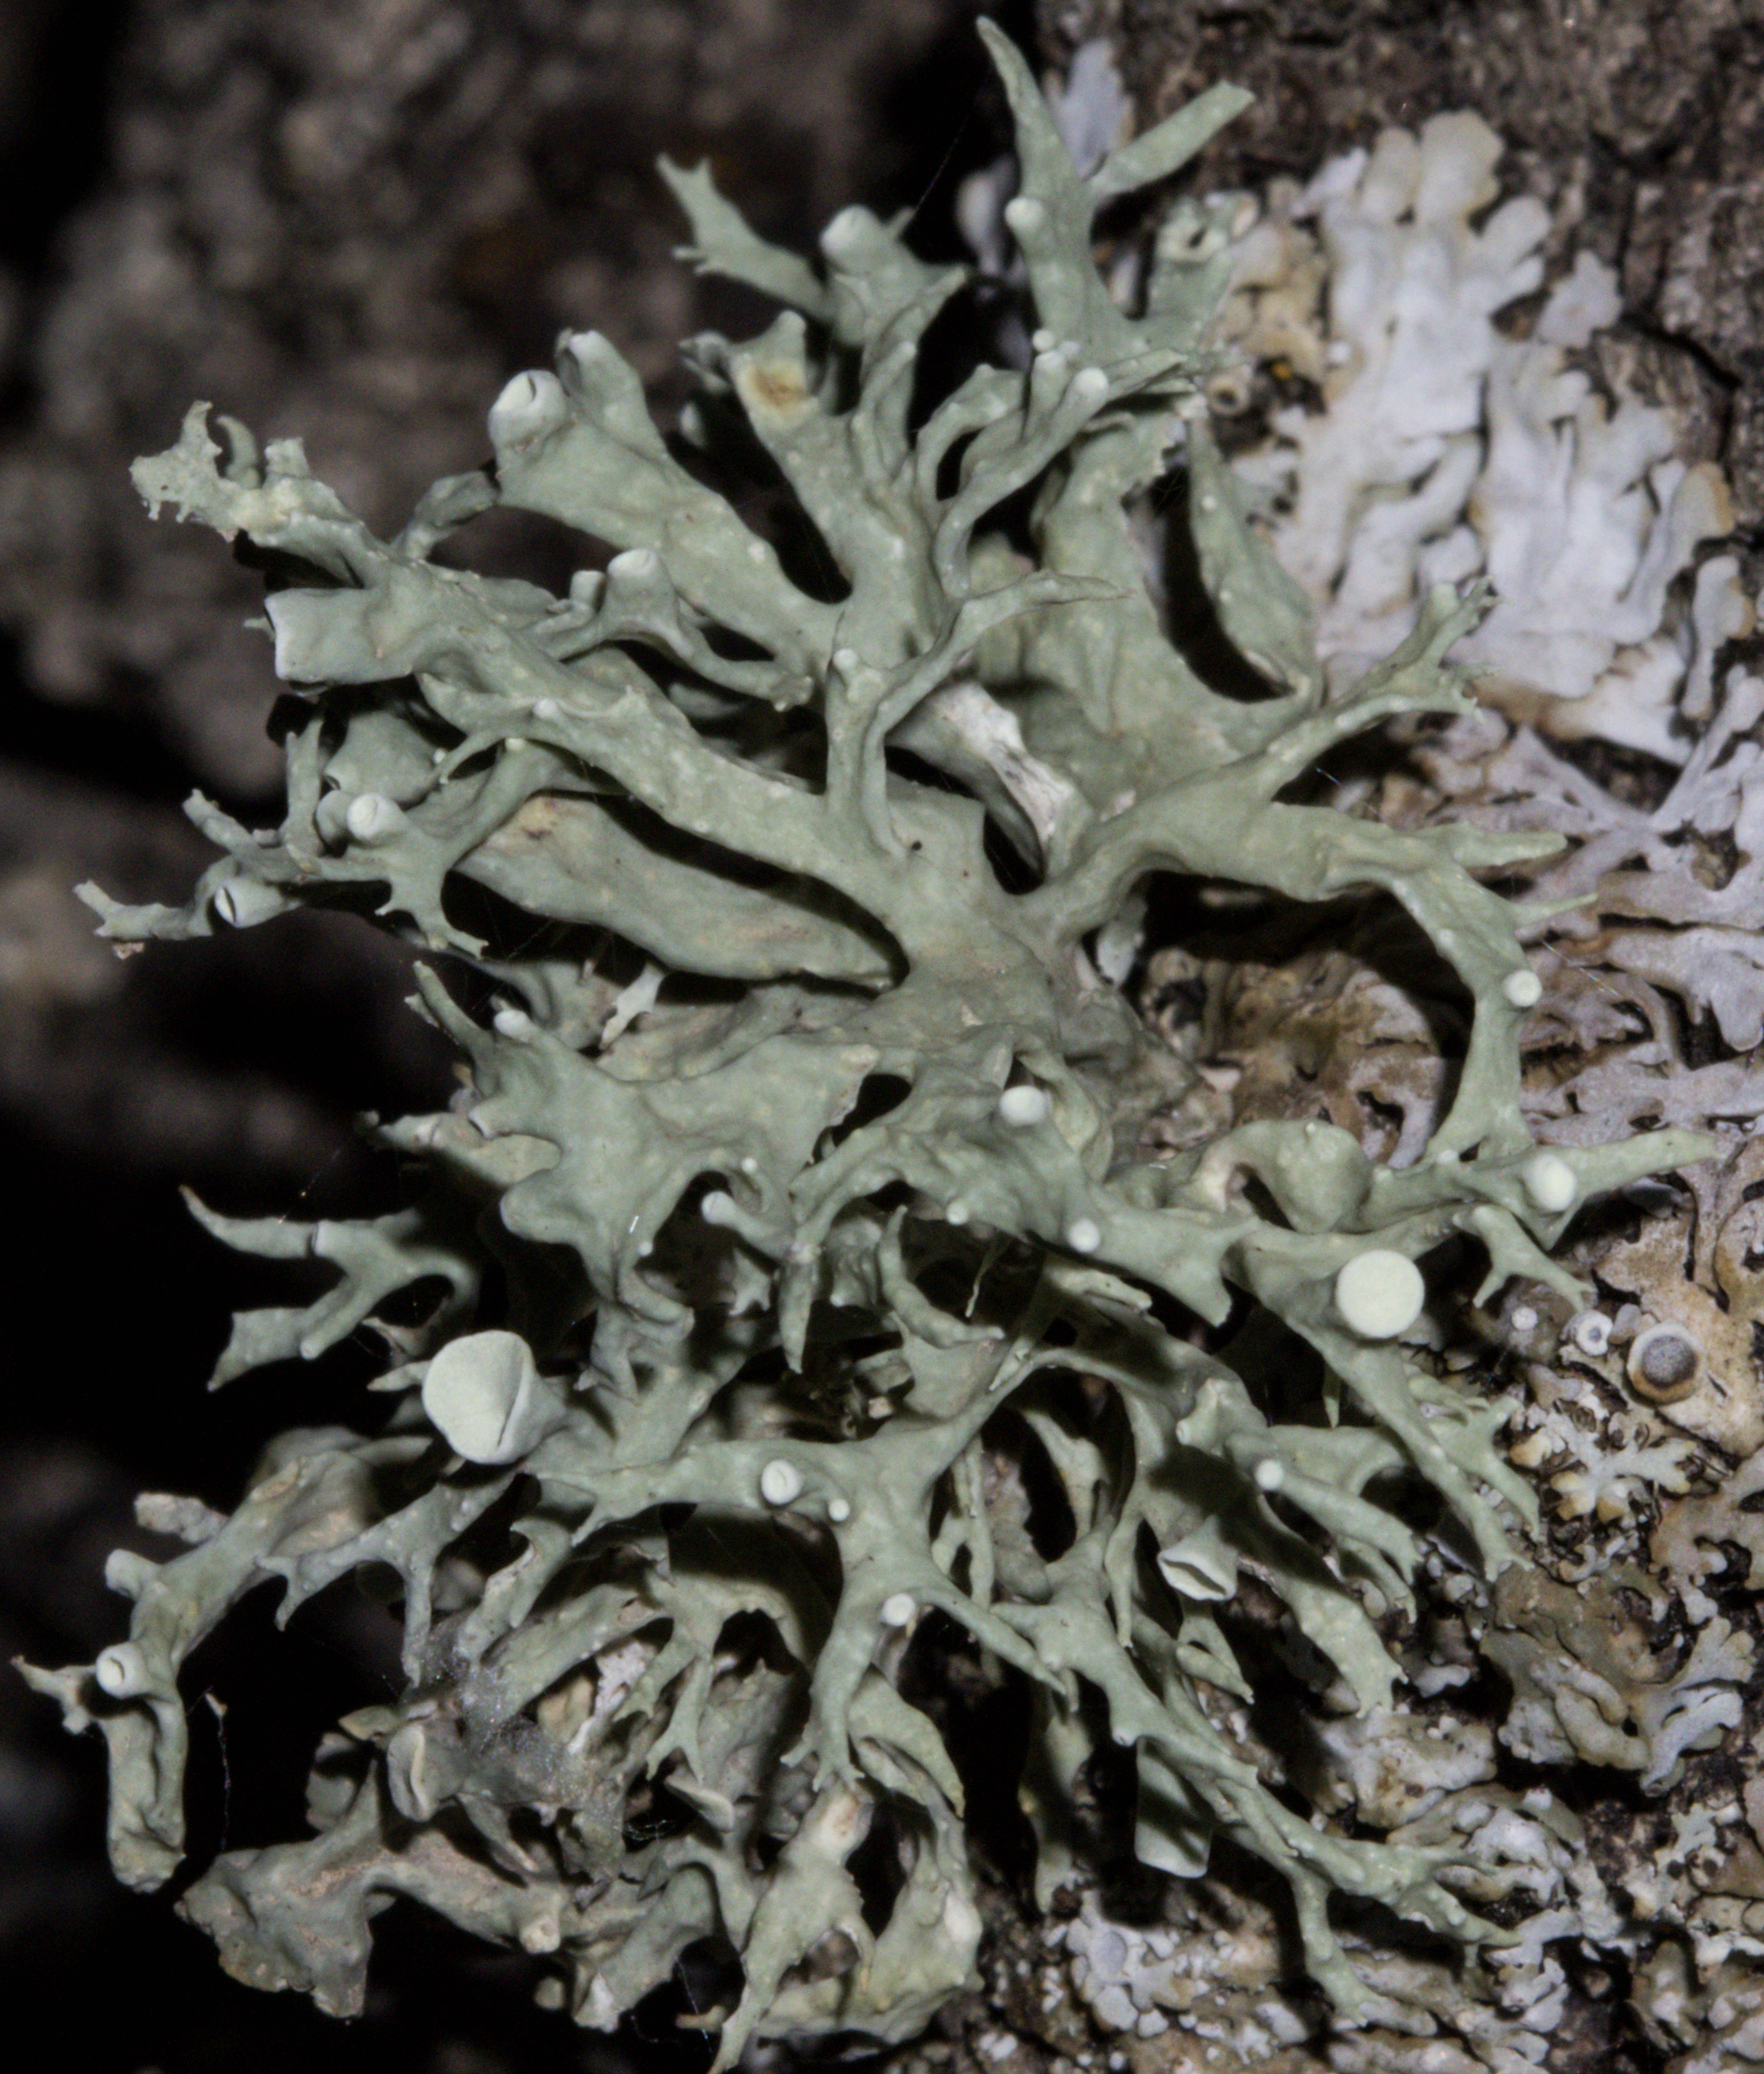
1627	1651
809	1296
1448	443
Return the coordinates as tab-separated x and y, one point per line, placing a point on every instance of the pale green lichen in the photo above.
803	1148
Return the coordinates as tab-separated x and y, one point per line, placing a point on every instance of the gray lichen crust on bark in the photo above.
794	1222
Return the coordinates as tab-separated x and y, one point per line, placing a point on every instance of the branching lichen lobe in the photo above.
751	1398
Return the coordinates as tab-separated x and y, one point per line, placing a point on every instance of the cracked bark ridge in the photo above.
1640	122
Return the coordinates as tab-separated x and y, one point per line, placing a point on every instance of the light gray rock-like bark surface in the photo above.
1645	117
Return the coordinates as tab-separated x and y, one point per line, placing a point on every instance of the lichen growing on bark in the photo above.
802	1273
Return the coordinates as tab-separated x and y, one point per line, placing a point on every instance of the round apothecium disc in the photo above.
1379	1294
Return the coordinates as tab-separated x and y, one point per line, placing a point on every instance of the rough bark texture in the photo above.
1645	117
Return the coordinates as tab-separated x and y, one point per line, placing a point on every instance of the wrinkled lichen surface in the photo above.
1594	1725
798	1268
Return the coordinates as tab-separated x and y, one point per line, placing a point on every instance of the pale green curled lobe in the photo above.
790	1225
